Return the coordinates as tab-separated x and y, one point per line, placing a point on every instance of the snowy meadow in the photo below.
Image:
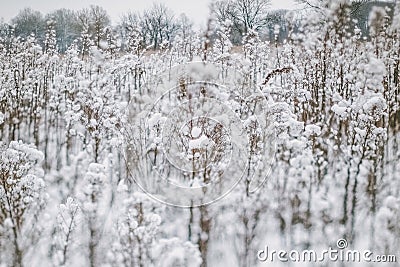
153	143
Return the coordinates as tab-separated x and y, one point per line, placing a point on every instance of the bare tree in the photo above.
245	14
27	22
99	20
66	33
319	4
159	25
132	33
93	21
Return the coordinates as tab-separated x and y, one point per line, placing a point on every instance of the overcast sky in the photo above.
197	10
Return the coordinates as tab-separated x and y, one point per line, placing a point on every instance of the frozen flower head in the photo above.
19	153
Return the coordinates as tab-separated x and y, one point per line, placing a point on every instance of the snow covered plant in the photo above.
22	198
387	220
95	108
136	229
92	196
69	216
222	46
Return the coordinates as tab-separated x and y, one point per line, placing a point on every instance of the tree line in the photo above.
159	25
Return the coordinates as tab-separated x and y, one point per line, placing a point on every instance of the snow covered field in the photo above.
201	152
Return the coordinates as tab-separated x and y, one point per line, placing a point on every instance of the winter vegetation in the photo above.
93	113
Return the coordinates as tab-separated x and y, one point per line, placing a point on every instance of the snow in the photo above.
8	223
175	252
155	120
340	111
296	144
376	104
311	130
295	127
196	131
110	148
199	143
392	203
202	72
